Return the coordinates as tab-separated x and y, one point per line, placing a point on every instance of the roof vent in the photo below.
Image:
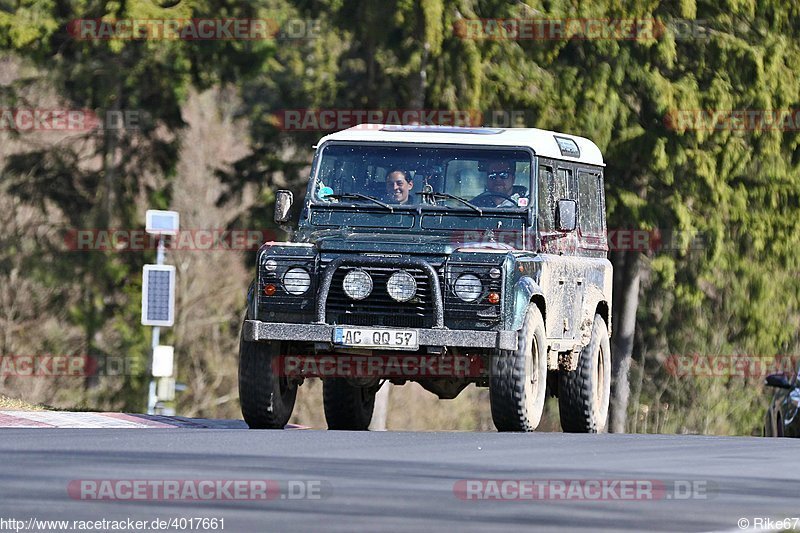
567	146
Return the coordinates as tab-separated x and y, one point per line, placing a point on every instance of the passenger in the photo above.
398	187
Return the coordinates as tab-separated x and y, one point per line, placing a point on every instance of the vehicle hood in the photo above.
401	243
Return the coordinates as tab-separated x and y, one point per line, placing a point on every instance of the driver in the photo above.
499	187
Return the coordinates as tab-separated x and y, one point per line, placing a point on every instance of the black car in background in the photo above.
783	414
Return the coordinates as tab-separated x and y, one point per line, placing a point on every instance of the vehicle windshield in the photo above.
401	175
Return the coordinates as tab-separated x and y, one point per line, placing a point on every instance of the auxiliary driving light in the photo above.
468	287
401	286
357	284
296	281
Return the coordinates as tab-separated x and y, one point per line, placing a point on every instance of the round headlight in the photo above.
468	287
357	284
401	286
296	281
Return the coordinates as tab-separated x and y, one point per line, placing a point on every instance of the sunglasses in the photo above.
503	175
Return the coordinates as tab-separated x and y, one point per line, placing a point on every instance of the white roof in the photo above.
542	142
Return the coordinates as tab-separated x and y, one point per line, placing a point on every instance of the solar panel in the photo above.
158	295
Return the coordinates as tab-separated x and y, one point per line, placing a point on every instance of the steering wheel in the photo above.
490	193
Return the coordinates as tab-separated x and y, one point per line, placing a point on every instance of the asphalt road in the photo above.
392	481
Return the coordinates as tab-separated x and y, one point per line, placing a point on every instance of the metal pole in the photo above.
152	399
160	251
151	394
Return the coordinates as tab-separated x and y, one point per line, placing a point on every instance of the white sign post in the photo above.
158	306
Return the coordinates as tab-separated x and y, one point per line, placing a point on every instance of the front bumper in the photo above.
255	330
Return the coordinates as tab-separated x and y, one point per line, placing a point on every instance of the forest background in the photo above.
696	112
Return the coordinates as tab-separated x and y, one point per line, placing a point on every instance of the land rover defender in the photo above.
486	245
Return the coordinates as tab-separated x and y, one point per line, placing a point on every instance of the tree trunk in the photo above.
378	422
418	81
625	305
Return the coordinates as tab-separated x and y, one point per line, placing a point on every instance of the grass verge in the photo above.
11	404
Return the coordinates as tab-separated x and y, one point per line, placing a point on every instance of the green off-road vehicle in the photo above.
478	252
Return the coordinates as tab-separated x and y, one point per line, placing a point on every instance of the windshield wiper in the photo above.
441	195
358	196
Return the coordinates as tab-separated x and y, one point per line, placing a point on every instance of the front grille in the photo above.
380	309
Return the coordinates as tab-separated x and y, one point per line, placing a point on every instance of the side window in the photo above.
566	187
546	207
589	203
522	178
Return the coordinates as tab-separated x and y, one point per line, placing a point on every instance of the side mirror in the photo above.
283	202
779	381
567	215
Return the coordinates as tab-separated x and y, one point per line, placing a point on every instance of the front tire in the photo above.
584	393
519	378
347	407
267	399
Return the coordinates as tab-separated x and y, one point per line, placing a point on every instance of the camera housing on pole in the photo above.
162	222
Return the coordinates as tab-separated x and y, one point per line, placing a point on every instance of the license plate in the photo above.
387	339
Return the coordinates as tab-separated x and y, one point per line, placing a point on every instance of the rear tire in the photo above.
347	407
267	399
584	393
519	378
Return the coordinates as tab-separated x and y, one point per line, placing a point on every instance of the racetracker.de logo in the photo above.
340	119
29	119
655	240
733	119
52	366
197	29
188	490
590	29
730	366
137	240
583	489
386	366
46	366
173	29
25	120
